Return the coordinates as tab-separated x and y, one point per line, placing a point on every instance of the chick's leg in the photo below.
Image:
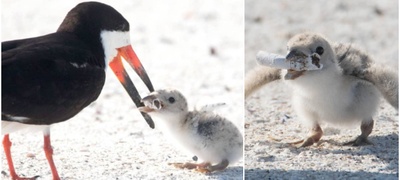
204	167
316	134
208	168
366	129
189	165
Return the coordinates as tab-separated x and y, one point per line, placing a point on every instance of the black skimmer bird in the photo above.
51	78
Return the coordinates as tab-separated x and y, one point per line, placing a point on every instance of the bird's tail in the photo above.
386	80
258	77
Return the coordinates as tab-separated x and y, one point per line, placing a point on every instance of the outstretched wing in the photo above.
357	63
258	77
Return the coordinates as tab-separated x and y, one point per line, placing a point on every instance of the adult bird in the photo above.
49	79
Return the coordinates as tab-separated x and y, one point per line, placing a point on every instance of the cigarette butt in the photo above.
272	60
280	62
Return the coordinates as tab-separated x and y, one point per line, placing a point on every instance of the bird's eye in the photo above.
171	100
319	50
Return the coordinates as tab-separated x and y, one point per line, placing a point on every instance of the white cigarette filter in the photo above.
280	62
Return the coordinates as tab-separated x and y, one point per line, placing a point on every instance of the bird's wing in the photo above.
259	76
48	81
354	62
8	45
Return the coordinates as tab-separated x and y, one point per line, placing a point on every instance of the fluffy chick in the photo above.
347	89
212	138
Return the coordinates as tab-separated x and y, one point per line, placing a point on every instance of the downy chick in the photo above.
212	138
347	89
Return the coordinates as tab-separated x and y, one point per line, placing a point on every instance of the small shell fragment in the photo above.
280	62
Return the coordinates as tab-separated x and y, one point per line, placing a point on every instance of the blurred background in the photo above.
371	25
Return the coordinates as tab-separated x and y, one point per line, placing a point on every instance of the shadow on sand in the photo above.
382	145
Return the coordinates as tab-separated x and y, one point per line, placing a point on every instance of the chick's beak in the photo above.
151	103
294	55
117	67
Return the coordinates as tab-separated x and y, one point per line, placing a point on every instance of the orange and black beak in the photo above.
116	65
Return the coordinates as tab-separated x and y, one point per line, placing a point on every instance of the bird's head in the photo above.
107	33
166	104
311	45
101	25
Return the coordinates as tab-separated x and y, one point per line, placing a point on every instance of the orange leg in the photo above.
48	150
7	149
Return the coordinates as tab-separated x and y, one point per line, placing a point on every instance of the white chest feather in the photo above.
333	97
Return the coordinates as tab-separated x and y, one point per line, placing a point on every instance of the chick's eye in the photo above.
171	100
319	50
